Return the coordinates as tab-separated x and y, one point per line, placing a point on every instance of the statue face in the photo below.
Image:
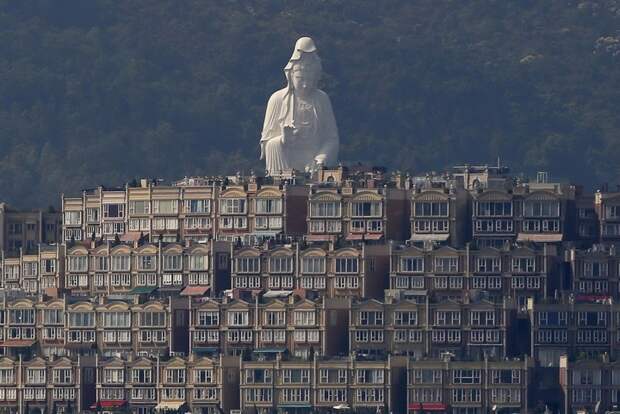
304	78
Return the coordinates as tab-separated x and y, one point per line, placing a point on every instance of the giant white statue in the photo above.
300	130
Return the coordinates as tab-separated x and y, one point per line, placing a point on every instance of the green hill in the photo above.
100	91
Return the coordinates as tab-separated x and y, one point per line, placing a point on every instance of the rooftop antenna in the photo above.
499	163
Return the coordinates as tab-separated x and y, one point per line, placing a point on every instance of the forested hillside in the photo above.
101	91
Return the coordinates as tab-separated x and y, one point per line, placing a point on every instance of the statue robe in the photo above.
299	153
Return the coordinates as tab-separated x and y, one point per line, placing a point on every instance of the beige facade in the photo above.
21	231
462	387
320	384
349	271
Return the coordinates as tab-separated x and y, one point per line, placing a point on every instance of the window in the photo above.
275	318
425	376
175	375
81	319
78	263
407	318
75	234
173	262
446	264
505	376
258	376
7	376
332	395
304	318
488	264
482	318
466	376
258	395
233	206
147	279
550	226
48	266
313	264
238	318
366	209
411	264
494	208
595	269
346	265
369	376
247	264
198	262
445	318
113	211
165	206
142	394
203	376
541	208
35	376
139	207
62	376
369	395
325	209
92	215
21	316
431	209
523	264
370	318
116	320
281	264
296	376
147	262
268	206
142	375
197	206
53	317
120	263
461	395
194	223
72	218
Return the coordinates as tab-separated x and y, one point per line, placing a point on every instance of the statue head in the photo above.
303	69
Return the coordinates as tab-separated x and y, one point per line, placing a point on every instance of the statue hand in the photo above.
262	151
287	134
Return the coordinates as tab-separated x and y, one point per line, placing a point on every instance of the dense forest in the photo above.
102	91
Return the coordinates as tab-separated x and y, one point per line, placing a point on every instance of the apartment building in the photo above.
23	231
38	272
304	386
590	385
593	272
440	213
578	327
527	212
147	385
587	226
466	329
331	270
607	208
468	387
452	274
251	210
245	208
40	385
268	323
367	208
133	268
